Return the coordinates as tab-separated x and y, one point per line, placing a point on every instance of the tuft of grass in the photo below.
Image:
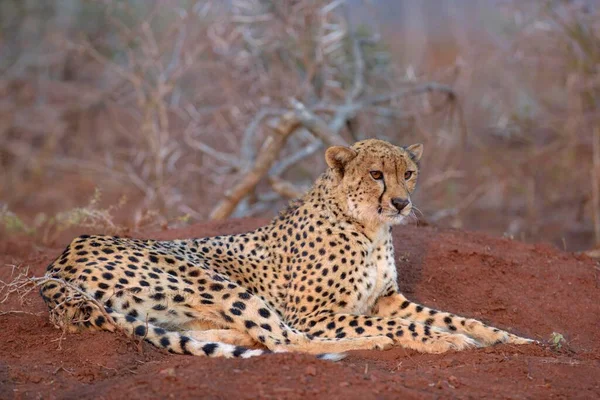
557	340
46	228
12	224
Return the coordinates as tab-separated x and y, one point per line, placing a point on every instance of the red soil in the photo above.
532	290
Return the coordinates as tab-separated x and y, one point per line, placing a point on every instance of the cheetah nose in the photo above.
400	203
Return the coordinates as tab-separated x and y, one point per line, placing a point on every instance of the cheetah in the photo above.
320	278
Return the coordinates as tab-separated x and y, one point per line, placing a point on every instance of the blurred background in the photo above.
120	116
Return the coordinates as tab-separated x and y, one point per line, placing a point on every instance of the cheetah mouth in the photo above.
394	215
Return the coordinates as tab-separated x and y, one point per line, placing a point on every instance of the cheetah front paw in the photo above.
446	342
499	337
379	342
458	341
514	339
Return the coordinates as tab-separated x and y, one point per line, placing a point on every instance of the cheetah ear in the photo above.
338	157
416	150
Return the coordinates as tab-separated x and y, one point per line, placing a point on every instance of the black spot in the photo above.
264	313
100	320
158	296
140	330
235	311
405	304
183	341
239	351
249	324
178	298
165	342
209	348
226	317
217	287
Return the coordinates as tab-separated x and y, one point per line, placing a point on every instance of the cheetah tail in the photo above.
178	343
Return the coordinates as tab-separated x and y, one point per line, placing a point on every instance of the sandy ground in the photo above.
532	290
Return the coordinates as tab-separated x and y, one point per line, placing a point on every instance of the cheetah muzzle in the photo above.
320	278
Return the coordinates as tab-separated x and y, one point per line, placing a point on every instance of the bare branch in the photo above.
247	150
316	125
211	152
283	165
286	125
285	188
417	89
359	71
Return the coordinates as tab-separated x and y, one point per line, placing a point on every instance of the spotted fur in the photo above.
319	278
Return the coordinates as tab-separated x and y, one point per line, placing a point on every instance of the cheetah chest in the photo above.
378	275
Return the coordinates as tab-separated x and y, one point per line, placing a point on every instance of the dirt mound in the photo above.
532	290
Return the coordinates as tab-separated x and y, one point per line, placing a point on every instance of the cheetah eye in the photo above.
408	175
377	175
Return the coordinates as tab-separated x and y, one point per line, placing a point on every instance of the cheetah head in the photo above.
375	179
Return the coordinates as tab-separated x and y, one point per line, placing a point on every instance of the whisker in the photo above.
414	208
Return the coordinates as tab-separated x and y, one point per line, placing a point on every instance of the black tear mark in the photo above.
380	209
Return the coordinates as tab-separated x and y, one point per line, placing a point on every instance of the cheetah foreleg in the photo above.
397	305
404	333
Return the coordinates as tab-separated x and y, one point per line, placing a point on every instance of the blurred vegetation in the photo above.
168	103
